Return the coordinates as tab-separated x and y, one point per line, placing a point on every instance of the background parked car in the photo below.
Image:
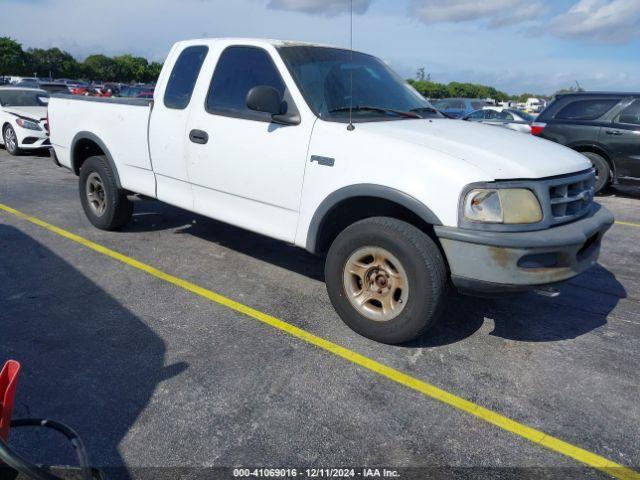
28	83
145	94
503	117
23	116
603	126
55	87
459	107
133	91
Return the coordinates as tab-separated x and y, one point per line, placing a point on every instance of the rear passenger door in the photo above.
167	137
623	139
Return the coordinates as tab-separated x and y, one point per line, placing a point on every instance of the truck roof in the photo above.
252	41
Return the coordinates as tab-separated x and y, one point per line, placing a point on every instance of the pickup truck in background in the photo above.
332	151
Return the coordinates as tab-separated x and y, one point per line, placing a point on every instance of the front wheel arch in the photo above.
350	204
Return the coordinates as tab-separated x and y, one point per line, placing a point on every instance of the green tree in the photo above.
52	61
422	76
100	67
13	60
153	72
130	68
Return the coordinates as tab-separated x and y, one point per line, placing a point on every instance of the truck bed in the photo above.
120	123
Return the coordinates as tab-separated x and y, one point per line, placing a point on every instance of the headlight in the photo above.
28	124
502	205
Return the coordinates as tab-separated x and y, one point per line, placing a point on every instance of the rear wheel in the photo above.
11	141
105	205
386	279
603	170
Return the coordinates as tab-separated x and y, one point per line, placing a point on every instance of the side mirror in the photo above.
265	99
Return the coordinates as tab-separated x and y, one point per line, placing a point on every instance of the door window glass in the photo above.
184	76
239	70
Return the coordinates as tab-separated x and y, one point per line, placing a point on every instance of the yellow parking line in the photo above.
628	224
494	418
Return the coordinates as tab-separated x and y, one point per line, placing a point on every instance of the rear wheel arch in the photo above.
353	203
86	145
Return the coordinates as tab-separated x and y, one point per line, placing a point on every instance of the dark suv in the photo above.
603	126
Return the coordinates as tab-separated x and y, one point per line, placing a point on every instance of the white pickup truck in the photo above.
332	151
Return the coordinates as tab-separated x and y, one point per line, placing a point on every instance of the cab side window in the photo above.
184	76
240	69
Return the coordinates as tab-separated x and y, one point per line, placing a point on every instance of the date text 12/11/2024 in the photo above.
315	473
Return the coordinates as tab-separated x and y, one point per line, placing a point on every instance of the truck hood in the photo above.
33	113
501	153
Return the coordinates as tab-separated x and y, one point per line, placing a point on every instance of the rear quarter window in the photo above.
630	115
184	76
586	109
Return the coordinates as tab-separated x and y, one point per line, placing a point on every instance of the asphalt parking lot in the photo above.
152	375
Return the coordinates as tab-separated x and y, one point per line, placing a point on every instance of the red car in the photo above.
90	92
145	94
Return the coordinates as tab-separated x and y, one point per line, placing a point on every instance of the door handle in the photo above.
199	136
613	132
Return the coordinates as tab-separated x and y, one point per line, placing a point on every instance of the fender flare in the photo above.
364	190
94	138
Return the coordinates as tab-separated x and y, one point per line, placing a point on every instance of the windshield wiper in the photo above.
425	109
356	108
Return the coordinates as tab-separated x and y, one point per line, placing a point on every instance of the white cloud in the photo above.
497	13
604	20
325	7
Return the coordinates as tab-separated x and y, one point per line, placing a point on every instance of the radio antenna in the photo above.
351	127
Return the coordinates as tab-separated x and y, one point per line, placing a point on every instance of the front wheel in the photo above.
105	205
386	279
11	141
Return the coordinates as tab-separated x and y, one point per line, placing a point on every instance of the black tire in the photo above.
419	257
117	208
603	170
11	146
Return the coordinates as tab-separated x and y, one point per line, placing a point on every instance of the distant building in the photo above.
535	105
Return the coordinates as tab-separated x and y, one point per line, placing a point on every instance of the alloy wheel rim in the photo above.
10	139
376	284
96	194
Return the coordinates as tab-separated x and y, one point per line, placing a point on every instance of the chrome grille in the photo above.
570	197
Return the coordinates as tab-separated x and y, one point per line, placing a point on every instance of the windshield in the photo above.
324	77
23	98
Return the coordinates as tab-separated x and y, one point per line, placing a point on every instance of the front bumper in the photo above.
31	139
496	262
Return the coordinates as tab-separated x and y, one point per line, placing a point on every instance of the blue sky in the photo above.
515	45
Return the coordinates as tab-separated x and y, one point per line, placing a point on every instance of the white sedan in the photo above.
23	118
503	117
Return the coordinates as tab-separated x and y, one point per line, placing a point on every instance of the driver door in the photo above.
245	169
